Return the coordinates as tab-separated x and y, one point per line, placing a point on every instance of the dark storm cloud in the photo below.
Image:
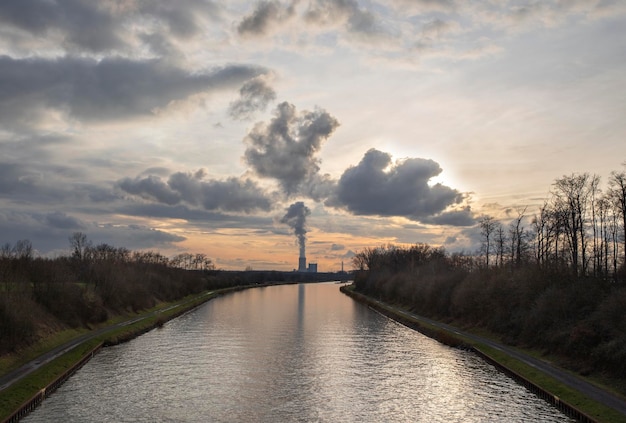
265	15
114	88
295	218
231	195
254	96
285	148
376	186
103	26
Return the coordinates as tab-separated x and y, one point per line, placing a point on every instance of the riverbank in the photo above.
569	393
30	384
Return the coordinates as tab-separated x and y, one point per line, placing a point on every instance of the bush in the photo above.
17	327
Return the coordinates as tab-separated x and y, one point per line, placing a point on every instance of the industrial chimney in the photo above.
302	264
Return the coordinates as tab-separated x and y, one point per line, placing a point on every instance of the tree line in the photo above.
581	228
553	281
92	283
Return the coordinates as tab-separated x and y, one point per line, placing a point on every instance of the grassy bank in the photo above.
589	407
23	390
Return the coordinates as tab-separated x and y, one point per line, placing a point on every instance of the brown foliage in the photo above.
581	319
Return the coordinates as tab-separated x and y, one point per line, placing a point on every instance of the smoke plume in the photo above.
286	148
296	219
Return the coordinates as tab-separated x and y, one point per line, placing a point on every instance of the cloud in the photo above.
459	217
285	149
36	185
254	96
14	179
82	23
101	27
349	254
415	6
100	90
266	15
181	18
230	195
376	186
270	16
49	231
450	240
347	12
197	217
337	247
61	220
151	187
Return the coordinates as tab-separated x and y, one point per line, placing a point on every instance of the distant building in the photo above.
312	267
302	264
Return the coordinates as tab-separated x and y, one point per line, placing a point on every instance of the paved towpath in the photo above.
10	378
567	378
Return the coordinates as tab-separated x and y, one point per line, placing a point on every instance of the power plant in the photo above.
296	219
302	265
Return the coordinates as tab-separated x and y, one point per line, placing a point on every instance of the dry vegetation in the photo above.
42	296
557	287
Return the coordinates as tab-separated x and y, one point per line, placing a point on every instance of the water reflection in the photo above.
288	354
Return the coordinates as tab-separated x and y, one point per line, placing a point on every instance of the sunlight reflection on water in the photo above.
292	353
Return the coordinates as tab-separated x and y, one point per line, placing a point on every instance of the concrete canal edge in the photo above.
448	338
32	403
45	392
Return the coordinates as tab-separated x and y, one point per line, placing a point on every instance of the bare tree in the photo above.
487	227
571	196
79	245
517	237
23	250
617	191
543	234
500	244
594	192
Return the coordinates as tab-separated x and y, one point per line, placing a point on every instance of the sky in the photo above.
250	131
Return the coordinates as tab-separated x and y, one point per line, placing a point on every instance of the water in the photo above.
292	353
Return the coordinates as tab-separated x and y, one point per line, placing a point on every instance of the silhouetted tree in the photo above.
500	242
571	197
517	237
78	245
617	192
487	227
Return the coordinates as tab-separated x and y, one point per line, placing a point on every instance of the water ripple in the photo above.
294	353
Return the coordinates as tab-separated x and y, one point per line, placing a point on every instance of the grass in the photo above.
11	362
571	396
23	390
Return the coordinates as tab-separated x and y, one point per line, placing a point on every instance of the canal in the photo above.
289	353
